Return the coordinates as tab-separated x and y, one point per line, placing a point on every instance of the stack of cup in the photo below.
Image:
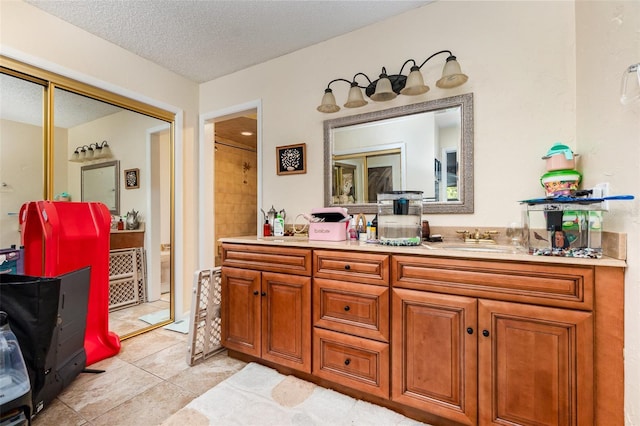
561	178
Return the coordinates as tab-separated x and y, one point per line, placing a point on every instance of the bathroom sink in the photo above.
487	248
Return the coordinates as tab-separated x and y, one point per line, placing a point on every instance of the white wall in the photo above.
522	78
608	135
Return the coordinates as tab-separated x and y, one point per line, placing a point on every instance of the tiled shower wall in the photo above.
235	196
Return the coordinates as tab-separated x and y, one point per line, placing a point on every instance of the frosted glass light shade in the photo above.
75	157
106	151
415	83
328	102
383	92
452	75
355	99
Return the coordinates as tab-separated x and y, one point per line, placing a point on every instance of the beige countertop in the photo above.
432	249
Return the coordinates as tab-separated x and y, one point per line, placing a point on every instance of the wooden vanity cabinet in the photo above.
445	340
486	357
351	320
267	314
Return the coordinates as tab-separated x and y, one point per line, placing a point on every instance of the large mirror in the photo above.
426	147
100	182
37	162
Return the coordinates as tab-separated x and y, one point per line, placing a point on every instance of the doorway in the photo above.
235	188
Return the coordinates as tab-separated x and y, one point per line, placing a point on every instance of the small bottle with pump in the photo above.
266	230
353	234
278	226
120	225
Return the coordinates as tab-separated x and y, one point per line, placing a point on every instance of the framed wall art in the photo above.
291	159
132	178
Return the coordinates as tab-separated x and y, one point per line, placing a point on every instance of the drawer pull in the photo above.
347	308
485	333
347	267
347	361
264	293
470	330
255	293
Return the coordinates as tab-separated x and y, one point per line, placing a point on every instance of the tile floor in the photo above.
143	385
126	320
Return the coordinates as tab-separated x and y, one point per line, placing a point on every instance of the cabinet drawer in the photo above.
366	268
359	309
568	286
288	260
351	361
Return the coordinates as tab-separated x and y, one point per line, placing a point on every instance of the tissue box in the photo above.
331	229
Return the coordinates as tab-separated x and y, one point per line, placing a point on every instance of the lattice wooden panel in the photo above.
127	278
205	326
123	293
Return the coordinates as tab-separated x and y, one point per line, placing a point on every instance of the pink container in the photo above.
331	229
560	157
560	162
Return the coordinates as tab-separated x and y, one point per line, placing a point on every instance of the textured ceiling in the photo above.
206	39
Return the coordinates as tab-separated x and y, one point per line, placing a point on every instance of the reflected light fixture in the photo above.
94	151
388	87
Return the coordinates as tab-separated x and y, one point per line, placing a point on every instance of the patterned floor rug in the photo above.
257	396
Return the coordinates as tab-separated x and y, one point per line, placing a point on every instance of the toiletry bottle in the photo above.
278	226
266	230
369	237
120	225
353	234
374	228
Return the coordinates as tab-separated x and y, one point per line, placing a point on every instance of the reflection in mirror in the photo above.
100	182
426	147
141	258
21	153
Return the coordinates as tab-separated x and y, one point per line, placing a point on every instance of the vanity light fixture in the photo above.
387	87
94	151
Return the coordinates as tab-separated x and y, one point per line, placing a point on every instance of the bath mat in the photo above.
259	395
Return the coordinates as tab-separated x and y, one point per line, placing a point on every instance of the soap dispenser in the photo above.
278	226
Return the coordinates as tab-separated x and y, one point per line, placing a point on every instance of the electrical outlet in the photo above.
601	190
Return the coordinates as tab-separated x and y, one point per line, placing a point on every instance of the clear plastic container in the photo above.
14	379
568	229
400	218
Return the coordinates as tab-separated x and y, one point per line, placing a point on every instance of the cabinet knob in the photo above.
255	293
469	330
347	361
347	308
485	333
264	293
347	267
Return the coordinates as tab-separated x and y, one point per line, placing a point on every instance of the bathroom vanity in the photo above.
443	336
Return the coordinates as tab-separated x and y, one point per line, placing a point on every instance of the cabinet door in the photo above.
286	320
535	365
240	312
434	353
